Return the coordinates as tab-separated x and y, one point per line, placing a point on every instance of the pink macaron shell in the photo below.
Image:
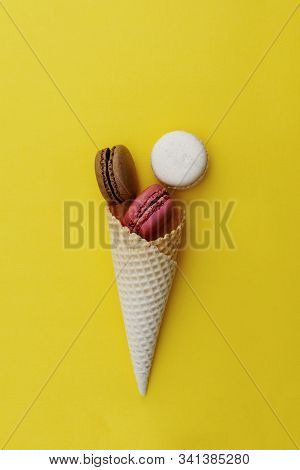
157	223
142	200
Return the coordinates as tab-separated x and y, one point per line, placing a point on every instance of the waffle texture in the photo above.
144	274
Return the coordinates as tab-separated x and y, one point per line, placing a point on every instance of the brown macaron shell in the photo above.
124	172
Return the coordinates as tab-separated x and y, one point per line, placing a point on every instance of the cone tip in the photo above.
142	383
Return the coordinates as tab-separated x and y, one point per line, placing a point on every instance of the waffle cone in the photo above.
144	275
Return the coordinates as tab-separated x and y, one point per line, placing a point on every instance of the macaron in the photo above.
179	159
149	213
116	174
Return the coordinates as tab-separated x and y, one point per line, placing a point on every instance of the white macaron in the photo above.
179	159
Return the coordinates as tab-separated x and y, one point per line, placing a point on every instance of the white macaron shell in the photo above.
179	159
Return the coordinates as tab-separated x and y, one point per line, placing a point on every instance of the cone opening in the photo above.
174	222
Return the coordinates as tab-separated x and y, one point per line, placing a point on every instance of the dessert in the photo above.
149	213
116	174
145	233
179	159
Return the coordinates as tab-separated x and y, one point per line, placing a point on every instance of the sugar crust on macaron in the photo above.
179	159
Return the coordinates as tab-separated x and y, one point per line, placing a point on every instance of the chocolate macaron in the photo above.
116	174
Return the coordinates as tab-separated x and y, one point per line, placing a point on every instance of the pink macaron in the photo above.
149	213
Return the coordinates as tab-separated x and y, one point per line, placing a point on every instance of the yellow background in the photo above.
131	71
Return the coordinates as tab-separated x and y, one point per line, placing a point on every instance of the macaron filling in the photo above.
108	176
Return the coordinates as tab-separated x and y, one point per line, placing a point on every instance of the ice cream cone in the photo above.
144	275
